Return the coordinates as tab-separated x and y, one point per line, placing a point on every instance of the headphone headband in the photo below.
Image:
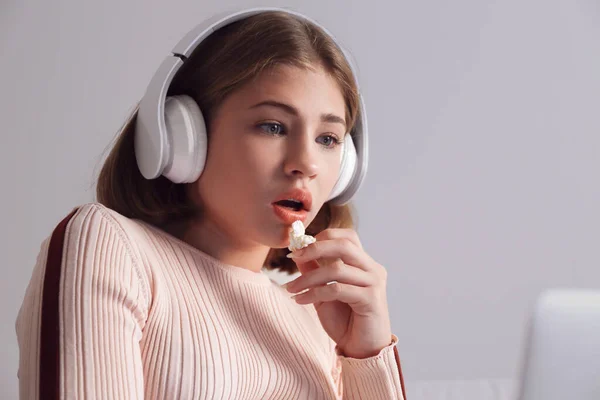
153	152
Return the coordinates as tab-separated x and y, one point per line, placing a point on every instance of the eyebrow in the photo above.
292	110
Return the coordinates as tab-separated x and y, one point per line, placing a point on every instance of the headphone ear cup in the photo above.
347	167
187	139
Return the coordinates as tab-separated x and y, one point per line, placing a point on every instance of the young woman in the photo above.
159	291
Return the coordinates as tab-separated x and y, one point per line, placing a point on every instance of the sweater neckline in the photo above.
239	273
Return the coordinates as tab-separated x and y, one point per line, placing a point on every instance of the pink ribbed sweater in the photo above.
119	309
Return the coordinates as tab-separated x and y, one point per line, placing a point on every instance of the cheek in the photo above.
235	156
333	171
244	167
263	156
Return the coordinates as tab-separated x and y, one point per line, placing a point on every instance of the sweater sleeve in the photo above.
374	378
80	324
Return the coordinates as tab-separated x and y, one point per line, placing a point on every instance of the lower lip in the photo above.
288	215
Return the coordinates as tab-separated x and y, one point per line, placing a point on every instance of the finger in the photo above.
306	266
338	272
340	233
354	296
344	249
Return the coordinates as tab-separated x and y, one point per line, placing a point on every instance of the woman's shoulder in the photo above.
138	236
94	220
92	243
94	228
93	214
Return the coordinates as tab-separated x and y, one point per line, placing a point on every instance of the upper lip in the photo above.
301	195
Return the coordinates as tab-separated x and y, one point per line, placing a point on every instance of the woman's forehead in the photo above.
297	87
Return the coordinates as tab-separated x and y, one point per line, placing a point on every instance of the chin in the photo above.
277	239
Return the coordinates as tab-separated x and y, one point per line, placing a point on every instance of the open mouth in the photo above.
291	204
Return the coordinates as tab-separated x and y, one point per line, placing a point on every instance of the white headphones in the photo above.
170	132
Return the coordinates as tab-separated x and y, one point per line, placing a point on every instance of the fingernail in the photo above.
294	295
296	253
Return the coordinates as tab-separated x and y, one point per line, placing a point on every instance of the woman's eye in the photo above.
272	128
329	140
276	129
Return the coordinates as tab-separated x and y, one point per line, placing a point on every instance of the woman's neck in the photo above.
207	237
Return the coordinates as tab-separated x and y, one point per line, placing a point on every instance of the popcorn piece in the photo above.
298	239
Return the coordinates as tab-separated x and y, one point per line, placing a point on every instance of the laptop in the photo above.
561	358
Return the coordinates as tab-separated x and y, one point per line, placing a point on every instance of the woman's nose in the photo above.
301	156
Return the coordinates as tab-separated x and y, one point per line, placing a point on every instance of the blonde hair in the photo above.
226	60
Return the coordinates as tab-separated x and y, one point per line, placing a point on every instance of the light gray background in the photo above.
483	184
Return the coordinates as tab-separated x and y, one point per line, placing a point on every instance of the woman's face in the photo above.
277	133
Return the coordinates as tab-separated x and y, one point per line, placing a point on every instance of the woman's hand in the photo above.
353	310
